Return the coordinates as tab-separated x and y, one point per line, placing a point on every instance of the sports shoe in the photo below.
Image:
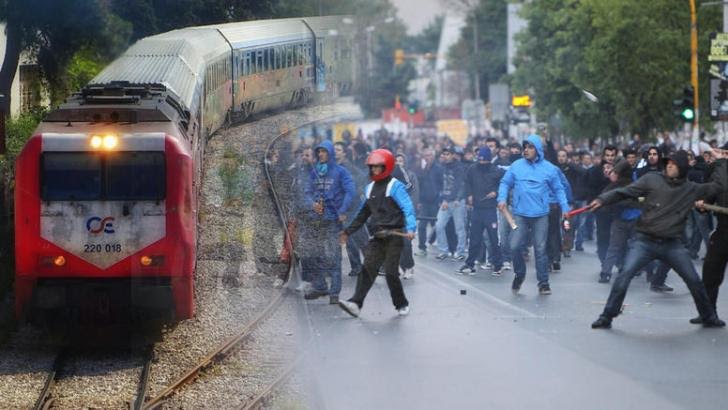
408	273
661	288
544	290
458	257
350	307
442	256
487	265
403	311
579	249
604	278
516	285
556	267
421	252
354	272
496	272
333	299
507	266
315	294
278	283
465	269
602	323
713	322
697	320
303	286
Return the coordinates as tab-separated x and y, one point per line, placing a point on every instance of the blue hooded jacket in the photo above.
532	184
335	188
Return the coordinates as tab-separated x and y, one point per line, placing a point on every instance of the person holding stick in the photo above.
668	198
389	209
532	180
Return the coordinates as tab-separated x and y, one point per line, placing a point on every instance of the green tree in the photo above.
633	55
428	40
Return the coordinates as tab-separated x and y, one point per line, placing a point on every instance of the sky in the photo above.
418	13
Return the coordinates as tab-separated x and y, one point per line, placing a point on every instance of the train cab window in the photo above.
135	176
70	176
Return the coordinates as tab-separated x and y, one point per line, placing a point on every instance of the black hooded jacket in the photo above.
668	201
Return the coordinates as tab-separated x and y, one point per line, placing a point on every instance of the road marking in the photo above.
482	293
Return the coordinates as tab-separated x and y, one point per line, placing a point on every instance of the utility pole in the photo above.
694	70
475	56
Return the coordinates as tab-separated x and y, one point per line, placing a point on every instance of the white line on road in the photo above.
482	293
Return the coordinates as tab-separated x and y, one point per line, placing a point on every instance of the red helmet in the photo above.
381	157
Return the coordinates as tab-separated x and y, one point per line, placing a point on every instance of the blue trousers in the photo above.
519	240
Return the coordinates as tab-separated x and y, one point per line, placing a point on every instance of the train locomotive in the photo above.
106	189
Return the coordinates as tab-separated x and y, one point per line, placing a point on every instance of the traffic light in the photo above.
413	106
398	57
687	107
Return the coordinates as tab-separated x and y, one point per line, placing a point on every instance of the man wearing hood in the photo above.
532	180
669	198
481	187
328	195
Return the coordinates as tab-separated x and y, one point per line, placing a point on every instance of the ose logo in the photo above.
95	225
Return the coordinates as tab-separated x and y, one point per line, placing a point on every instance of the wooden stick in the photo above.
716	208
509	217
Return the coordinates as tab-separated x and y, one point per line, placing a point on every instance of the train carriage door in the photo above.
320	67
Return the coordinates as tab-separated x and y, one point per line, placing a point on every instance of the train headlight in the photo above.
111	141
59	261
96	142
146	261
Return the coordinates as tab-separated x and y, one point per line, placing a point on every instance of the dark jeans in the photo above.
484	221
427	211
354	245
554	235
715	263
519	240
377	253
604	226
621	233
671	251
578	224
697	230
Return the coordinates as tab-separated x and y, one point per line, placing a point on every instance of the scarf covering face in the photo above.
322	168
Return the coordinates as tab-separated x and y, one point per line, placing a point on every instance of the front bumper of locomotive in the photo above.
101	301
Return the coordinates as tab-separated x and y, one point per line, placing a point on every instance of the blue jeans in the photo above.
578	225
622	232
670	251
455	210
325	258
519	239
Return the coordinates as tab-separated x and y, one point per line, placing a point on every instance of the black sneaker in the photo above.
602	323
556	267
697	320
544	290
442	256
354	273
713	322
661	288
605	278
465	269
496	271
333	300
516	285
315	294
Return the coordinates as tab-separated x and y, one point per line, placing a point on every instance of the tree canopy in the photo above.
634	56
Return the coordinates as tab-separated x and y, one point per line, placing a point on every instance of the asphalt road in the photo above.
490	349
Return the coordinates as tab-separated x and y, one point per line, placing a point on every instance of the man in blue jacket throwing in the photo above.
533	181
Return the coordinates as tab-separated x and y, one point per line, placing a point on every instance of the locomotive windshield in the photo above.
90	176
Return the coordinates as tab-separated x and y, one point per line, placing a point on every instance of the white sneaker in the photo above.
404	311
350	308
302	287
278	283
408	273
507	266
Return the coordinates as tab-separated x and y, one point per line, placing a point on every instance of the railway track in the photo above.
51	396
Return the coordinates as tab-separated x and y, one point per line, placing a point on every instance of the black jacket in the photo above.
595	181
453	181
481	180
667	201
430	184
576	176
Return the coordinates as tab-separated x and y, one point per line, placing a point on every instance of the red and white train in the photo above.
106	189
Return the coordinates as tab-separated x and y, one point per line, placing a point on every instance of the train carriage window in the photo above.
277	58
300	54
70	176
295	54
289	55
265	59
259	61
248	68
137	176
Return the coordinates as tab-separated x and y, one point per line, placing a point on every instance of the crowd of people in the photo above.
486	203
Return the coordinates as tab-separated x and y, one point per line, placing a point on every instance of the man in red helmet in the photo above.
389	210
